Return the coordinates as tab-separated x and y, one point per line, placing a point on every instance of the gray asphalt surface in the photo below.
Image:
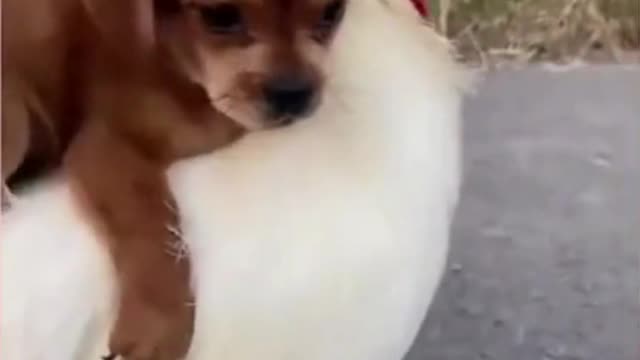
545	261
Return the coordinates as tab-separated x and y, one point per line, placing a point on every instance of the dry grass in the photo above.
492	31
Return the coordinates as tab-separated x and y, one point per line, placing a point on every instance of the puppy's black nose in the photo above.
289	96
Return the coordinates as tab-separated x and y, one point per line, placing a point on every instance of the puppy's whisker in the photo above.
174	230
221	97
229	100
178	249
171	206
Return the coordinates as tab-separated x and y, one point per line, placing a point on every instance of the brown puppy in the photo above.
121	88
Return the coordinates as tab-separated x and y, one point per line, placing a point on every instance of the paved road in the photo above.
546	252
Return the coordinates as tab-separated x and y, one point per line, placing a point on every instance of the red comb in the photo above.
422	7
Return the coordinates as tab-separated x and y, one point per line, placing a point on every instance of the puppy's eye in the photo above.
225	18
332	13
331	16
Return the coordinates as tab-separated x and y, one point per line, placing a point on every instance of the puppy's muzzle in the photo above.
290	97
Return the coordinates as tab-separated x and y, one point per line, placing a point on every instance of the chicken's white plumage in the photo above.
322	241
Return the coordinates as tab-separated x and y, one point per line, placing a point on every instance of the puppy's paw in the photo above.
146	332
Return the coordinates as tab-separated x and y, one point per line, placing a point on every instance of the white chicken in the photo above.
325	240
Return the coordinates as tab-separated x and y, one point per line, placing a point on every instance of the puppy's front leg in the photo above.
127	196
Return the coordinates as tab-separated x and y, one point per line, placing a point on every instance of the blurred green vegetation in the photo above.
530	30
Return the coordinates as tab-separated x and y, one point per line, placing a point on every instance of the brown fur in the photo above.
116	90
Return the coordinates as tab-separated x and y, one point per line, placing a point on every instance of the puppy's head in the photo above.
260	61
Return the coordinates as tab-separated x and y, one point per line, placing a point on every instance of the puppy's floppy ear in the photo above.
129	25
